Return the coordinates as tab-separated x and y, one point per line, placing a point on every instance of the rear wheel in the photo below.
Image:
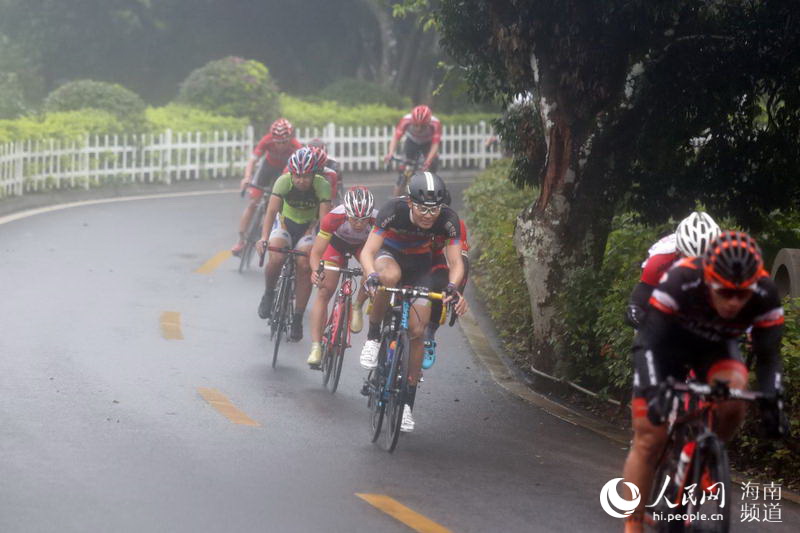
397	391
376	383
283	315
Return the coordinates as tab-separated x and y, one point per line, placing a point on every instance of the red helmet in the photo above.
303	161
421	115
733	261
321	155
281	130
358	202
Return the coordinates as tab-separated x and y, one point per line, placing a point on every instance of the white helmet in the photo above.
694	233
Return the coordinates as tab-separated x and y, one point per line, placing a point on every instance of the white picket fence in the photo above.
31	166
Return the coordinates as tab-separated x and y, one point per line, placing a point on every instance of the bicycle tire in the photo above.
326	361
376	380
667	467
397	392
340	345
711	459
273	321
284	316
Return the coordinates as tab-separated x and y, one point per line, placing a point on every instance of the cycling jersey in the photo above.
430	133
276	154
394	224
299	206
682	317
437	246
336	226
661	256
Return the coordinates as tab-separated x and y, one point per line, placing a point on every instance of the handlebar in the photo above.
348	271
279	250
413	293
718	390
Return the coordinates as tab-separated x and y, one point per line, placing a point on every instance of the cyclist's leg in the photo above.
439	279
727	365
326	289
651	365
389	274
416	272
247	215
279	238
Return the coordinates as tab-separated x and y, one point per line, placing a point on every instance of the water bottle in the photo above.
390	351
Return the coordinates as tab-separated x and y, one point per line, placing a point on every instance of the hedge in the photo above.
353	92
181	118
88	94
304	113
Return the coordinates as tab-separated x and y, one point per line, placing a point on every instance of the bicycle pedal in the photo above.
318	366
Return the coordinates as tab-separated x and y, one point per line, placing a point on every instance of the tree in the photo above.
620	92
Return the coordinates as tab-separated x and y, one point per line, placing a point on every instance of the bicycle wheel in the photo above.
376	382
276	309
340	345
397	391
711	474
327	357
284	316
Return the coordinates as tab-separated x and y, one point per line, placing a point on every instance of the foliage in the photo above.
492	204
235	87
185	118
12	102
777	461
352	92
304	113
88	94
63	125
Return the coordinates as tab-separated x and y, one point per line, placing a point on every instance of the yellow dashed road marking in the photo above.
400	512
211	265
171	325
221	403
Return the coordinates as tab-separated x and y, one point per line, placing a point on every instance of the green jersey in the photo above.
301	206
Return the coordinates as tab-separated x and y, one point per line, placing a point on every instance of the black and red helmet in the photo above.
733	260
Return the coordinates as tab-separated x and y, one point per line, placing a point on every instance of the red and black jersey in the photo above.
437	247
394	224
683	294
276	153
683	298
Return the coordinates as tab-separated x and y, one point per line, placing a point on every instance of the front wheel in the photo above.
397	386
711	474
327	356
340	345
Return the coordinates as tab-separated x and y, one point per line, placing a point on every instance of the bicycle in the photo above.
336	335
253	233
386	386
407	168
693	458
282	315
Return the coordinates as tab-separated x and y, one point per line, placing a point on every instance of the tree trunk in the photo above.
566	227
388	42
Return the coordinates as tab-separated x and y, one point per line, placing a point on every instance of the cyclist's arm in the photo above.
371	247
432	153
321	242
324	208
641	294
766	347
455	262
273	208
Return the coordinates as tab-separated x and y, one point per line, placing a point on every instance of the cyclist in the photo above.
690	239
439	278
343	231
423	135
699	311
326	170
398	252
275	147
298	199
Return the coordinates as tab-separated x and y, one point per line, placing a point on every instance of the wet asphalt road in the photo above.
104	425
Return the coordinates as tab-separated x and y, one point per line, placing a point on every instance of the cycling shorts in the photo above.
292	232
415	268
334	254
440	272
413	151
680	352
264	176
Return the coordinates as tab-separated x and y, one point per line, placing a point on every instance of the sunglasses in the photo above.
425	210
733	294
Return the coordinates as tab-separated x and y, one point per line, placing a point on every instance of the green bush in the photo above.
62	126
87	94
353	92
493	204
304	113
12	102
233	87
180	118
